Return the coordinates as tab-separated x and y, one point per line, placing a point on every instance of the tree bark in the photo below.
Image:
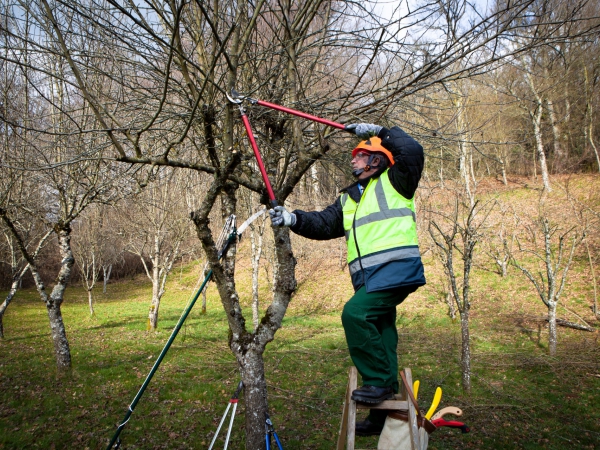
552	334
55	299
156	295
539	145
59	335
90	302
106	273
536	120
256	238
252	371
465	356
11	293
589	114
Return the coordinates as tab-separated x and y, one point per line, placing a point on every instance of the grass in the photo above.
521	398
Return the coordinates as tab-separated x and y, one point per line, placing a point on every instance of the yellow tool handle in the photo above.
416	385
436	401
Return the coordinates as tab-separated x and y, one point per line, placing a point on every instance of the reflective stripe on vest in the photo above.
383	223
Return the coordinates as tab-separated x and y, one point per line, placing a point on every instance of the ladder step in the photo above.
347	435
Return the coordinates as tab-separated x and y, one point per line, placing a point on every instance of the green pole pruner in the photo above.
164	351
235	233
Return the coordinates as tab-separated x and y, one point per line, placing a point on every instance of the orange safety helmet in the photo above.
373	145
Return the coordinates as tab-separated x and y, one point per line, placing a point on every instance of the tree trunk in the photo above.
155	303
539	145
536	119
465	357
463	157
54	301
5	303
203	311
256	238
588	128
91	302
552	334
450	303
106	272
59	335
16	284
503	170
252	371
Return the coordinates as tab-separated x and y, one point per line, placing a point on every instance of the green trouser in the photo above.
369	321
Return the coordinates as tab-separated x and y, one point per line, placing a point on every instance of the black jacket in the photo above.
404	176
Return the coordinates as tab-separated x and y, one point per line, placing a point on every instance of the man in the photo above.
376	214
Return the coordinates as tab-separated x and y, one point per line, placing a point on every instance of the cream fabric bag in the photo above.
396	431
395	435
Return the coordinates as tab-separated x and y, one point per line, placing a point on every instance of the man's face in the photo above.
360	161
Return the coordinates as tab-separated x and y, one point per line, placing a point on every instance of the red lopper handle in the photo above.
303	115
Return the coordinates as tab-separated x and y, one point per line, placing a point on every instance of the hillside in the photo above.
521	396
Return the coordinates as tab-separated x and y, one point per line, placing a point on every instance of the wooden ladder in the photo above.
347	434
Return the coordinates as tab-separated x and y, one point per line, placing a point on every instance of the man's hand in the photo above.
364	130
280	217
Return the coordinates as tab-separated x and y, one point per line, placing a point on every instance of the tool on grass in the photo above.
436	401
235	234
416	385
447	410
232	401
236	97
270	430
451	423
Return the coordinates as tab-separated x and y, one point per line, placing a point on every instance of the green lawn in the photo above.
521	397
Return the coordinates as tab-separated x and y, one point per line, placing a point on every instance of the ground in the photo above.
521	397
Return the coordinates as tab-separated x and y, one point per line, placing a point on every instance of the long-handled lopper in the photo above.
236	97
270	431
232	401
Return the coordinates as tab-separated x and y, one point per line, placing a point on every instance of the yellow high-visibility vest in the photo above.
381	234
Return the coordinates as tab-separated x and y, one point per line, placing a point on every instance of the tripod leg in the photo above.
219	427
230	425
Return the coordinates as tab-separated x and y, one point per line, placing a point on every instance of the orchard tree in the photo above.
155	225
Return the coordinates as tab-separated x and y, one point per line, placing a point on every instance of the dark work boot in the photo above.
372	394
366	428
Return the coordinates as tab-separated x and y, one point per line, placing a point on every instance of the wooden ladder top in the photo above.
347	435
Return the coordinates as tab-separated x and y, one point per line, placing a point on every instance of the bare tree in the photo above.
70	190
499	244
19	267
552	250
156	227
458	234
92	249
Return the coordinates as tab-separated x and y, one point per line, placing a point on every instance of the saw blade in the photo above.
249	220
